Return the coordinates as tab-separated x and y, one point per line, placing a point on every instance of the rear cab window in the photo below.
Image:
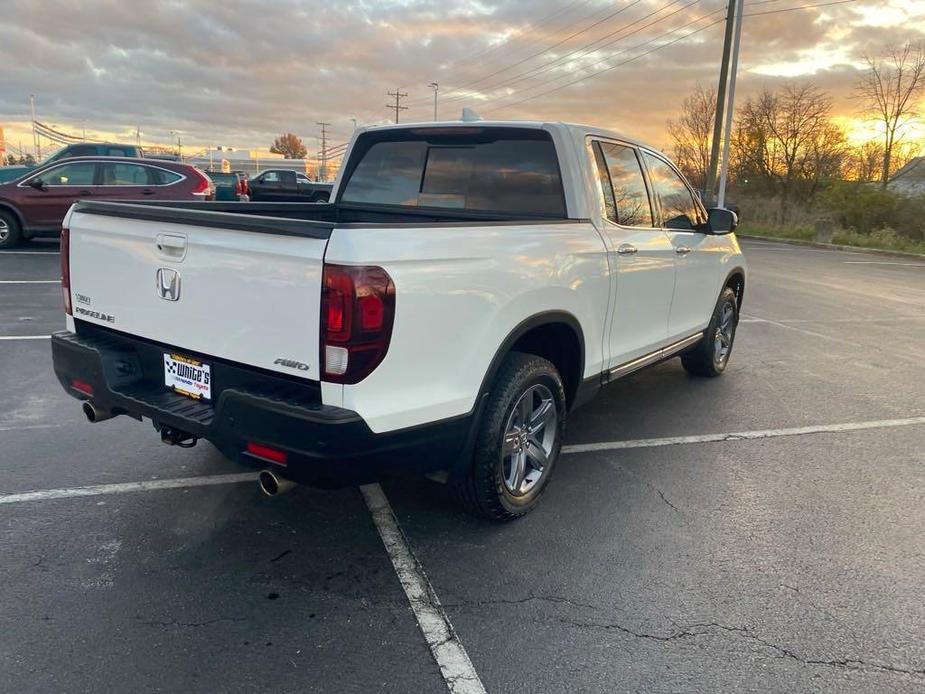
509	171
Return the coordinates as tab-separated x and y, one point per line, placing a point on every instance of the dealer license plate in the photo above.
188	376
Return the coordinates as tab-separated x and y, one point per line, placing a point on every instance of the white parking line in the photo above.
457	670
743	435
29	252
30	281
125	487
881	262
24	337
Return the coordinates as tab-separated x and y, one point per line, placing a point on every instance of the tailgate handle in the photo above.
172	246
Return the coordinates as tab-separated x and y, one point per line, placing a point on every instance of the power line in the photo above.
670	43
792	9
399	95
620	64
556	44
587	48
569	27
533	27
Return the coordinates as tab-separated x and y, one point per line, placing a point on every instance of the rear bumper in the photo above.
324	445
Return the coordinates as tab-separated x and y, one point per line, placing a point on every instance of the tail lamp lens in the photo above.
203	185
357	312
66	270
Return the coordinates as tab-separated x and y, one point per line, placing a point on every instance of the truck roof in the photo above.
571	128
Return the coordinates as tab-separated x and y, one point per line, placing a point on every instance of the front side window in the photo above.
125	175
505	172
270	177
79	173
630	197
679	211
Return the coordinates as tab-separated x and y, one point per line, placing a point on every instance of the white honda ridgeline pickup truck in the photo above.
470	284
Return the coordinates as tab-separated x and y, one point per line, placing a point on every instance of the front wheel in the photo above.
518	440
711	355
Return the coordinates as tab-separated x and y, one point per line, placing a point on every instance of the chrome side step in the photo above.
647	359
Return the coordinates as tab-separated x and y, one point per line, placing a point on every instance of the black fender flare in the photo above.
738	270
535	321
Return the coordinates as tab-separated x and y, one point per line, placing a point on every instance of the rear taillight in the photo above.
357	312
66	269
202	185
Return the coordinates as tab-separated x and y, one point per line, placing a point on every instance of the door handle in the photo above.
682	250
85	192
627	249
147	192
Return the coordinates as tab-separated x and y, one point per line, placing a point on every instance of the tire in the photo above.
10	233
711	355
526	387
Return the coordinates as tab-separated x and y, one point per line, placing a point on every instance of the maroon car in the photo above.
35	204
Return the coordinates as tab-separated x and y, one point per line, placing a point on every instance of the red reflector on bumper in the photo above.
274	455
82	386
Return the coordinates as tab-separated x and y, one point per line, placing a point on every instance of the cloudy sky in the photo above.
238	73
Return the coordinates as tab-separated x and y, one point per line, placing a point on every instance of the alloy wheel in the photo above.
529	440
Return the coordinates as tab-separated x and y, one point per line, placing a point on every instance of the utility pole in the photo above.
323	169
721	198
709	185
436	87
179	144
36	143
399	95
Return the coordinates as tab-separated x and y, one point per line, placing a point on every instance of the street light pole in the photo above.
36	144
436	87
721	198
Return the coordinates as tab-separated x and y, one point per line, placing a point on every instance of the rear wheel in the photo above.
711	355
10	233
518	441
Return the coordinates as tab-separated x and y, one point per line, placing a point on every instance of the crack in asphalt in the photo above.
178	623
692	631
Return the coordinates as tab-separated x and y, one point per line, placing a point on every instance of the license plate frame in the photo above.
188	376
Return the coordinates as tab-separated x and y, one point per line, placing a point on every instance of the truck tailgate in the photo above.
217	284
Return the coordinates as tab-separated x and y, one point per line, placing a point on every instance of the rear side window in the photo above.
162	177
126	175
506	172
627	195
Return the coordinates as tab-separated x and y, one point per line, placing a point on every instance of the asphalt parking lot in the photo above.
760	532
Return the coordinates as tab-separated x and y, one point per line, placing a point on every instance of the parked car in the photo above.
35	204
83	149
229	186
281	185
470	285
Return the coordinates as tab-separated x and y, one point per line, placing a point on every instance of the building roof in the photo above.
910	179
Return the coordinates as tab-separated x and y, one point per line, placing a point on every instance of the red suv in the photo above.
35	204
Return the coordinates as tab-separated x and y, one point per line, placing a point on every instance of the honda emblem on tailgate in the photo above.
168	284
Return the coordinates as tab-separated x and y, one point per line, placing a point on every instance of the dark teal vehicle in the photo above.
82	149
230	187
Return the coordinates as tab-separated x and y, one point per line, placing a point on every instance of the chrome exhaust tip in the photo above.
272	484
94	413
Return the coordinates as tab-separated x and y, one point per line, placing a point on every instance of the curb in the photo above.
833	246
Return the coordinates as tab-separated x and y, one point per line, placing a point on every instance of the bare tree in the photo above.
786	144
692	133
889	90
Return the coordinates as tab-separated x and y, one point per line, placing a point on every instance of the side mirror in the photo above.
721	220
38	183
